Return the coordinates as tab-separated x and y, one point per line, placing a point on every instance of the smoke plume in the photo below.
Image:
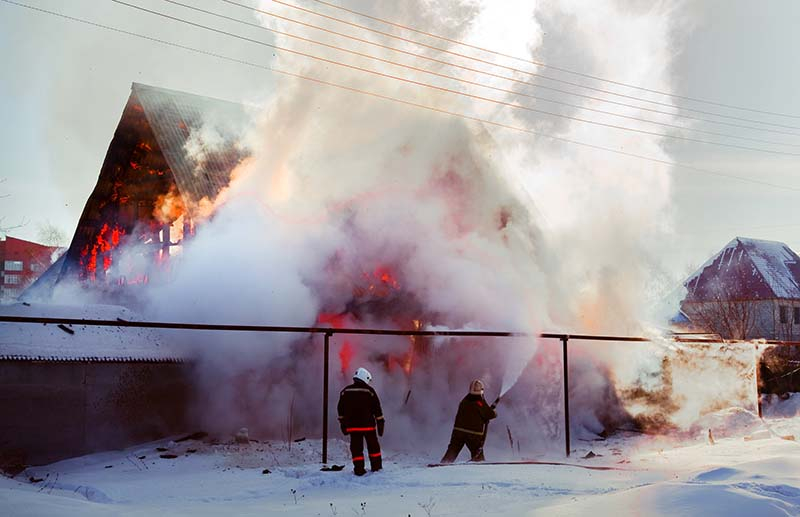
354	210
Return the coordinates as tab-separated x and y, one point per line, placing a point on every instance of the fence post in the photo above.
757	364
564	340
325	398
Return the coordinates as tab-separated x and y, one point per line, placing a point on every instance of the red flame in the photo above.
384	274
347	352
345	356
381	282
107	240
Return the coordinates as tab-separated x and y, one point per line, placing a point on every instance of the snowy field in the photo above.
750	470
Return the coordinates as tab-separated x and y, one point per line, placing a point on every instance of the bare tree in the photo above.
51	235
720	312
5	227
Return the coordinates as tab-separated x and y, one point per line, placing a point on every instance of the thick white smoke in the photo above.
386	215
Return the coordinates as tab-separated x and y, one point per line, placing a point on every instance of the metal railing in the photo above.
328	333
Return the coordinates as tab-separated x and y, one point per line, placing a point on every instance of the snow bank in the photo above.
728	422
732	478
776	407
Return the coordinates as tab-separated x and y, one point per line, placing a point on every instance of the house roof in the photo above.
58	343
747	269
165	139
200	137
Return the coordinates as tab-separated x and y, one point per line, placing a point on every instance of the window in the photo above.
783	314
37	268
9	293
12	279
797	316
13	265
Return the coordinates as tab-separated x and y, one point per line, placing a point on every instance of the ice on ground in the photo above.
649	476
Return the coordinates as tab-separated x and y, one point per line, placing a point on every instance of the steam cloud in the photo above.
477	227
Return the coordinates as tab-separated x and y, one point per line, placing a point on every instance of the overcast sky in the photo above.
64	86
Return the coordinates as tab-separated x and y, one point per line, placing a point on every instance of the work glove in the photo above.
344	428
381	423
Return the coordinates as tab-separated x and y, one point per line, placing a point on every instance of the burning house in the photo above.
171	155
422	232
66	390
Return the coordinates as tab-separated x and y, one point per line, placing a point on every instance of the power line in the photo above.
408	103
475	83
518	70
446	90
506	77
545	65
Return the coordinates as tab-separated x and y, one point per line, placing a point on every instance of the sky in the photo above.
64	86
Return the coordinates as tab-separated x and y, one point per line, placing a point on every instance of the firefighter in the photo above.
360	416
469	428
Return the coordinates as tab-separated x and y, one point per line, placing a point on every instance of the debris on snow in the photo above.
242	436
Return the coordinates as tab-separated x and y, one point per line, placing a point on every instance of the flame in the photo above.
169	207
385	276
280	188
205	208
380	283
106	241
346	356
347	352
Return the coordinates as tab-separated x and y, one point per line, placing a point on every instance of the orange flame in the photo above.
107	240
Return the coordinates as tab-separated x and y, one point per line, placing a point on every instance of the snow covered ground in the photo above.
752	471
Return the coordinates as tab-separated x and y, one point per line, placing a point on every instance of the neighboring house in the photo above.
749	290
21	262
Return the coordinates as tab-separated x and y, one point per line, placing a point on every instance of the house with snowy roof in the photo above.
750	289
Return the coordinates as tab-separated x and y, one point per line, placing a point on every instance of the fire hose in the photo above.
486	425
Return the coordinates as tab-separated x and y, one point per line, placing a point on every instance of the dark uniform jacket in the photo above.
473	413
359	407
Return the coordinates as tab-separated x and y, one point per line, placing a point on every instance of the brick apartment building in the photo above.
22	262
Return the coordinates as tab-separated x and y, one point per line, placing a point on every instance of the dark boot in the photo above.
475	446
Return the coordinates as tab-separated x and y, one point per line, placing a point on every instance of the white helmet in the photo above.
476	387
363	375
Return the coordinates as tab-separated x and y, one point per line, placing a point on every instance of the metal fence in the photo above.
329	333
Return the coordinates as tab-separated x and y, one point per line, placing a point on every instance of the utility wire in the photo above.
443	89
505	77
518	70
475	83
545	65
409	103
